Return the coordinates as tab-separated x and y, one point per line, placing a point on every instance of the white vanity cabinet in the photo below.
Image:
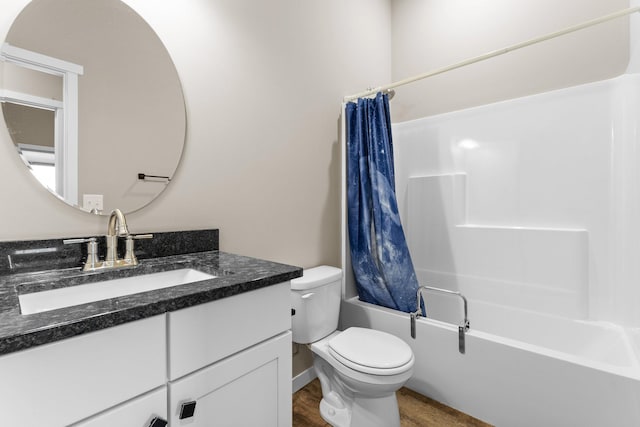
230	361
67	381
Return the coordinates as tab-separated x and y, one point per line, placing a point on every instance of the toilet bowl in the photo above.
359	369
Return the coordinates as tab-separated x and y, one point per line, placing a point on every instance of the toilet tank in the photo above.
315	297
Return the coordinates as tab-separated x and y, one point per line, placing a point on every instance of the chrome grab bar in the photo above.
418	313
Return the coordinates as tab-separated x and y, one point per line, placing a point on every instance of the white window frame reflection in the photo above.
42	162
66	112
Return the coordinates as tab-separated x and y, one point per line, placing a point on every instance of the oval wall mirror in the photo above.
93	103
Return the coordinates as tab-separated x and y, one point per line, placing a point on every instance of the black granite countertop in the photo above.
235	274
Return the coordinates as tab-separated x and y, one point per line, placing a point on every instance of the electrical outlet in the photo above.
92	202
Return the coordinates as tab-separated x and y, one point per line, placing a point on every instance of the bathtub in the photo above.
520	368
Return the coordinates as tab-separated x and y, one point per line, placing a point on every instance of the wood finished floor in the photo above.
415	410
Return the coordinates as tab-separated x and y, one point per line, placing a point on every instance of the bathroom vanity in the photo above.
214	350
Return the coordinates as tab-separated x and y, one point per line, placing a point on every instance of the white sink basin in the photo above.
74	295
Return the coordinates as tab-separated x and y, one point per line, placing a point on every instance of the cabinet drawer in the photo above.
201	335
135	413
69	380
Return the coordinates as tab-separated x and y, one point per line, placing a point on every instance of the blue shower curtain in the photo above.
380	257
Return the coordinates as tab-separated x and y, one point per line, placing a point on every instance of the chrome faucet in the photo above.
117	227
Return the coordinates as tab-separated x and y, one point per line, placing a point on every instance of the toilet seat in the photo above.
371	352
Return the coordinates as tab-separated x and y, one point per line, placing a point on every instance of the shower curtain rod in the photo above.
494	53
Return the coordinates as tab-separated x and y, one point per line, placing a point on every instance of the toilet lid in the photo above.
371	351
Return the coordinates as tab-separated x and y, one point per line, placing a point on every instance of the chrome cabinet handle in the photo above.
157	422
187	409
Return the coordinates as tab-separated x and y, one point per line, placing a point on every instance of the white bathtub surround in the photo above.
540	269
530	208
538	194
634	42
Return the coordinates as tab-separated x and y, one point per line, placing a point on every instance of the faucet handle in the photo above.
129	255
80	240
140	236
92	251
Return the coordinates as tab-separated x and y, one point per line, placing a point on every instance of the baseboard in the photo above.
303	378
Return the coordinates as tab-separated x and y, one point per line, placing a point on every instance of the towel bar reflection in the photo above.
144	176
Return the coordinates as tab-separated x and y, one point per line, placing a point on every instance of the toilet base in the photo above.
336	416
371	412
342	406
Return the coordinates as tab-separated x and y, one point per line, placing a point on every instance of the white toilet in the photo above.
359	369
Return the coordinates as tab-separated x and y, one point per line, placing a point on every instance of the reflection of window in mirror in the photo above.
43	89
32	131
18	78
41	161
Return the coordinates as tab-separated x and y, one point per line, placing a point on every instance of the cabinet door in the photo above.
251	388
135	413
61	383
